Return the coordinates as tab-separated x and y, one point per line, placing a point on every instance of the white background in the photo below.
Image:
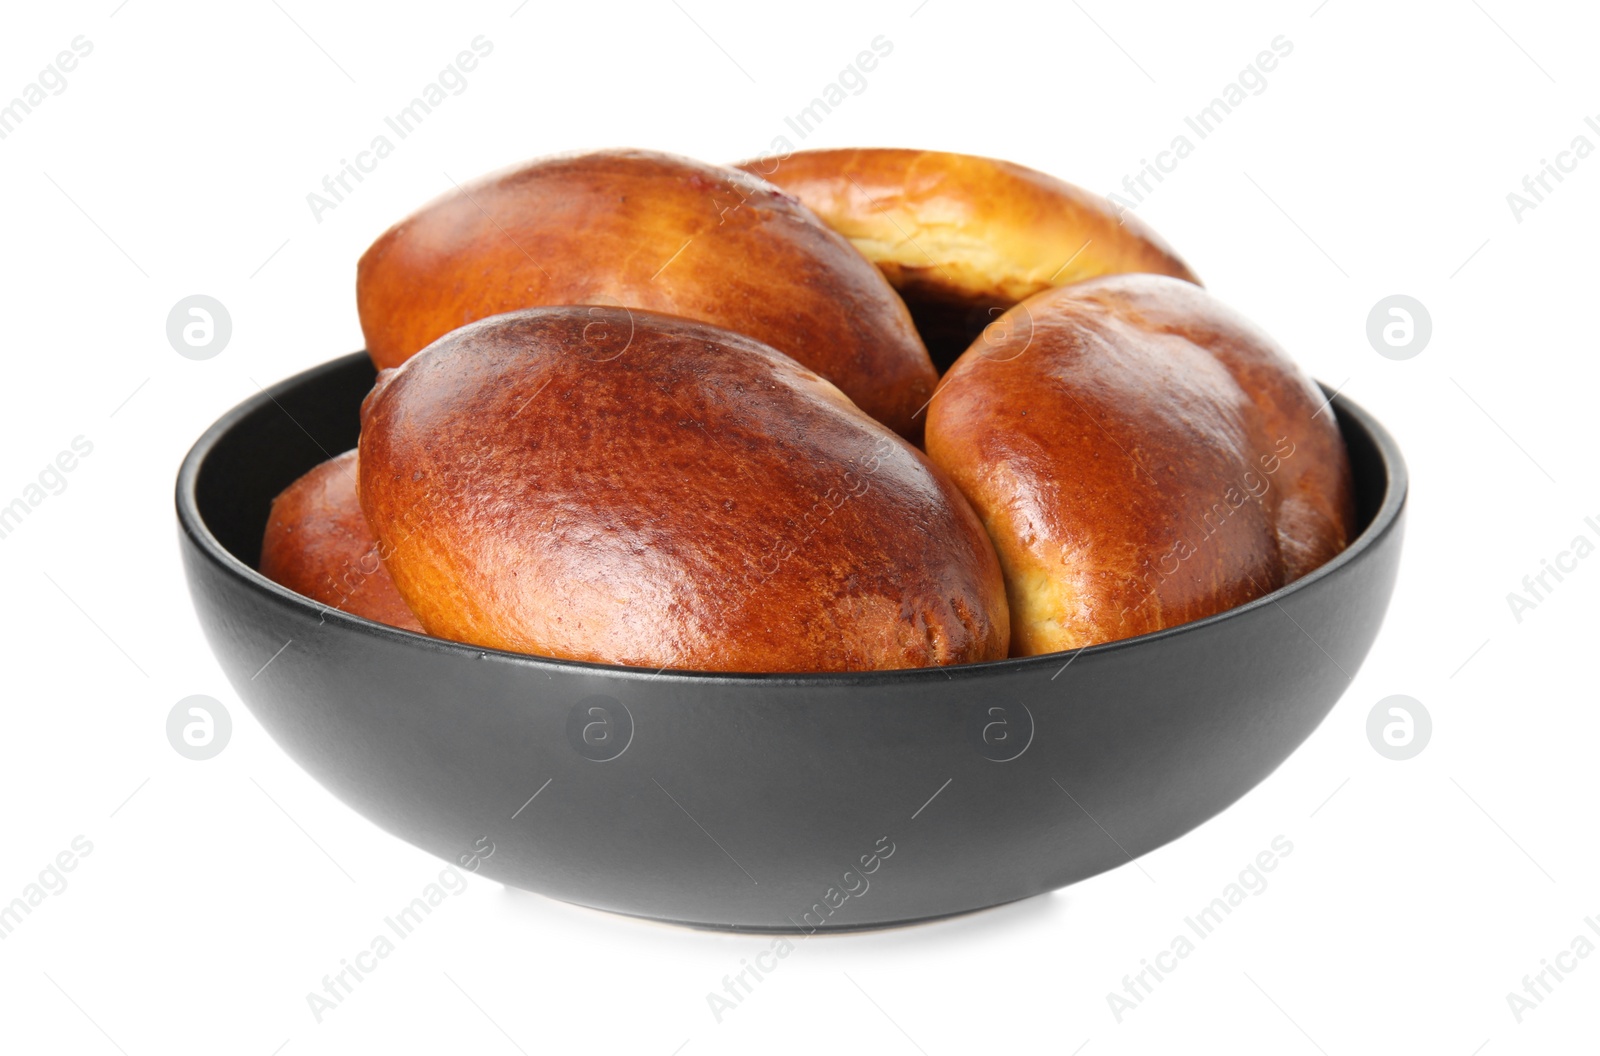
1377	161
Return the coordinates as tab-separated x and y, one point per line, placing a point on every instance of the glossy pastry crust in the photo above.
964	237
624	487
651	231
1142	457
317	543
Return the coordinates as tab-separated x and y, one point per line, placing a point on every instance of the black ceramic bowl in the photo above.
767	801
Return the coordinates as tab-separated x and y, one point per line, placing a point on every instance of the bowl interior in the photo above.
264	445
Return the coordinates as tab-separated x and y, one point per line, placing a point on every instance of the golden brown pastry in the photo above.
682	496
318	544
1142	456
650	231
963	237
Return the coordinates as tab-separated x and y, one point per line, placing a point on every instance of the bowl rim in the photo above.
193	526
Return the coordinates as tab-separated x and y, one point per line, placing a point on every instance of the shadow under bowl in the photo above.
767	802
